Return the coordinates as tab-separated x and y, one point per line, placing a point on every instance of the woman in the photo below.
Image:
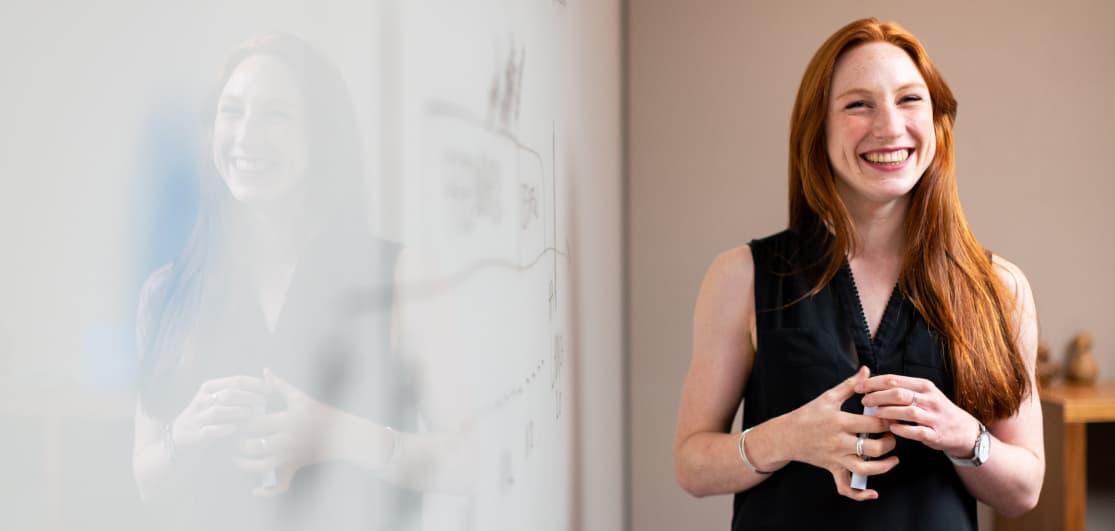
267	401
877	294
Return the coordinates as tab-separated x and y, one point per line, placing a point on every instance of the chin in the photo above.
888	194
897	185
253	189
244	193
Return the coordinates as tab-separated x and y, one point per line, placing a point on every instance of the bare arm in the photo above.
151	458
428	461
151	454
706	457
1011	479
443	459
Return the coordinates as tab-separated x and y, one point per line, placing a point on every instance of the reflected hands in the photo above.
285	441
826	437
220	407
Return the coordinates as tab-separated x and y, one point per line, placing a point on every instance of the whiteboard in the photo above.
483	131
473	129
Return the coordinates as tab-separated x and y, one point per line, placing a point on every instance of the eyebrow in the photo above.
905	87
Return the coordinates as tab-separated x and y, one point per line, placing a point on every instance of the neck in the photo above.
275	233
880	229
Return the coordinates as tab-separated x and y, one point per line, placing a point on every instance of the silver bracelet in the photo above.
743	453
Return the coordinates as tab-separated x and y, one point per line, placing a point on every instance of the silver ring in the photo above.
915	401
859	445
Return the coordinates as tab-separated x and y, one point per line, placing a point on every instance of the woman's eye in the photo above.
855	105
912	97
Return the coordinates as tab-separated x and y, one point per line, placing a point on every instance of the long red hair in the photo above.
945	272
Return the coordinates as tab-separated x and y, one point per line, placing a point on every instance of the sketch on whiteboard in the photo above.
488	305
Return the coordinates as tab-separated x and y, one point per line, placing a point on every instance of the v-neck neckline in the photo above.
271	321
867	345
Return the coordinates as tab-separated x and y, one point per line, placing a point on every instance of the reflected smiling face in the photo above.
260	139
880	124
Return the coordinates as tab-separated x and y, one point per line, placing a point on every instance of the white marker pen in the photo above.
860	482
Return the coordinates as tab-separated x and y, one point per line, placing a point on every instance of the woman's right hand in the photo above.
826	437
220	407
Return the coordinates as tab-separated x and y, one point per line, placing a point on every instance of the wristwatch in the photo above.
980	451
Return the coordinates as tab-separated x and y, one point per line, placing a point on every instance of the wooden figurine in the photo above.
1081	368
1047	369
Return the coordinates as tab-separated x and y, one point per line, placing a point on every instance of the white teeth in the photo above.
887	158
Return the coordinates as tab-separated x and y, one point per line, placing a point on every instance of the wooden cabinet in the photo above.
1066	410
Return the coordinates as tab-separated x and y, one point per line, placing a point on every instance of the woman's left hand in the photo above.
285	441
931	417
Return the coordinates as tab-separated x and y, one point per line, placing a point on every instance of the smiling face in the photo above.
879	125
260	139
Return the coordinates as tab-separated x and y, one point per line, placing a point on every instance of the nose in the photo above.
249	131
888	122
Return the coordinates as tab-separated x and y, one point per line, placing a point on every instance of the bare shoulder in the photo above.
726	301
1024	311
733	268
1013	278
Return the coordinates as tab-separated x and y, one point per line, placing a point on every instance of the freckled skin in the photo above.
879	101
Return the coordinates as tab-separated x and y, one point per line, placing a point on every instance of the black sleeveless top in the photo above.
331	341
809	346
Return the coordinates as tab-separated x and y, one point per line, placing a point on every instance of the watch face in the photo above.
983	447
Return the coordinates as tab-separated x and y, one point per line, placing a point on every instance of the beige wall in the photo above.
595	137
711	84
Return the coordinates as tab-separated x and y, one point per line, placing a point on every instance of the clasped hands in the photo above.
234	409
911	408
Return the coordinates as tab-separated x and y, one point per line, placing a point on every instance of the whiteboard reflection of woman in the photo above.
265	401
